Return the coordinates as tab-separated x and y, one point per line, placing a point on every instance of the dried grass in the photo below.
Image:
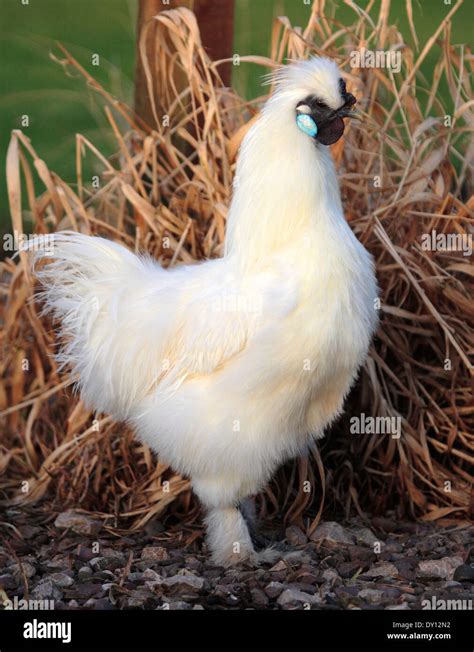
168	191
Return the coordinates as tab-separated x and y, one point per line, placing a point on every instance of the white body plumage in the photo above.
230	367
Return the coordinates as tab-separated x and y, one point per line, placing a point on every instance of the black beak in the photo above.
346	110
348	113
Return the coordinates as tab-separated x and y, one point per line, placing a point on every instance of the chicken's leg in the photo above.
248	510
228	536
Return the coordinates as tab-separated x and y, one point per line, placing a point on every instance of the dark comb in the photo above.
348	98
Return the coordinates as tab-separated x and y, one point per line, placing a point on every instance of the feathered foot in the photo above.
228	536
230	542
268	555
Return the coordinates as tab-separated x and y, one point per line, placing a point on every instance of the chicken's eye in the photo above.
311	103
302	107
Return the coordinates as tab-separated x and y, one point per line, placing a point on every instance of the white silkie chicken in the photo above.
230	367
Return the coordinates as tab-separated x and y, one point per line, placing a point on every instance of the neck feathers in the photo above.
285	187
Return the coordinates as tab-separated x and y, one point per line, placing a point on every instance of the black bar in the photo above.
174	630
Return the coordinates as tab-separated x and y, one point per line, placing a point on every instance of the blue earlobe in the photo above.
307	125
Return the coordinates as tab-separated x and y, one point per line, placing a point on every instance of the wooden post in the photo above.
216	23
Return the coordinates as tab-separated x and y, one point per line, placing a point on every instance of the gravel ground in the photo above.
378	564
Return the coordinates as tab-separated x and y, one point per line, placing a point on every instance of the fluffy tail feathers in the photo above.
100	292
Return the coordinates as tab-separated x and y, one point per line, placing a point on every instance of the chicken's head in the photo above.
319	98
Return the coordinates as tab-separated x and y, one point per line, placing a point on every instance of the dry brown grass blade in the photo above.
14	190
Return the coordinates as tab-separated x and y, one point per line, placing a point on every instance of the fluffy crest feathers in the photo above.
316	76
